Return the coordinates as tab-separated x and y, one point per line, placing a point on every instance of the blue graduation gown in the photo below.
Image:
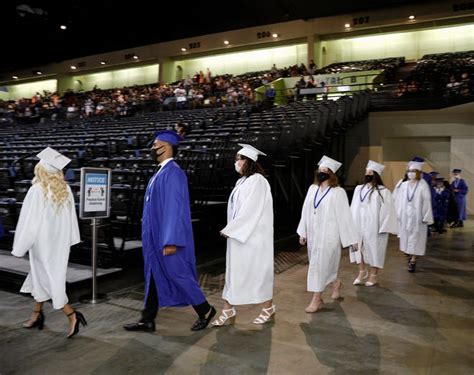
167	221
460	197
440	205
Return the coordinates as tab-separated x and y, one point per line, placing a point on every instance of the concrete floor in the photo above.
419	323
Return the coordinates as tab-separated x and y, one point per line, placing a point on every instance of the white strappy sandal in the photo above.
360	277
226	315
266	315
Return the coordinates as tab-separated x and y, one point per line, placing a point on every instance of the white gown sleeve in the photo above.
388	222
347	229
249	213
29	222
426	205
302	226
75	235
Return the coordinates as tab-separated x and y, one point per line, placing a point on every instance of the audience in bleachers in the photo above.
444	74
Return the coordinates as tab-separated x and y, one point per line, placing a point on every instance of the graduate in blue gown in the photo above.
460	190
167	240
440	204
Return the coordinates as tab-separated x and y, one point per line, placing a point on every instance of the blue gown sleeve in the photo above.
174	198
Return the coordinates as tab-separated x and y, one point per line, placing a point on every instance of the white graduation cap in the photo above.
52	160
327	162
418	165
376	167
250	151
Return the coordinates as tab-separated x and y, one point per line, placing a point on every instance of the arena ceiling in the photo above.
32	35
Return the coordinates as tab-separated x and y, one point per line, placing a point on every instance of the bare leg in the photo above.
268	304
34	315
68	310
315	304
373	275
336	289
227	305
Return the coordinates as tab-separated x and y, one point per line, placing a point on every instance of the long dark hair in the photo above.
376	182
251	167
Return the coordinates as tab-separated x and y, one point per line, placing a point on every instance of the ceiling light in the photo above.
63	27
412	17
39	73
347	25
14	77
102	63
135	57
183	49
275	35
226	42
73	67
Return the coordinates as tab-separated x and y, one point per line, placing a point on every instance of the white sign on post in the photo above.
95	193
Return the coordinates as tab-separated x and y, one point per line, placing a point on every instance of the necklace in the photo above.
414	190
316	205
365	195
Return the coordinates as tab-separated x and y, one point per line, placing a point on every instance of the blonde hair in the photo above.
54	183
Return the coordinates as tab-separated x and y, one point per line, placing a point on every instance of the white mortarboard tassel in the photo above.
250	151
52	160
327	162
418	165
376	167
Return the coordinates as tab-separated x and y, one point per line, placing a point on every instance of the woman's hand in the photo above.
302	241
354	247
223	235
169	250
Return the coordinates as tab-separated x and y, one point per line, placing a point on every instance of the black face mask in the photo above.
154	153
369	178
322	176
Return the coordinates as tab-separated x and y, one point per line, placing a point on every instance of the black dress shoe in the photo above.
411	267
140	326
202	323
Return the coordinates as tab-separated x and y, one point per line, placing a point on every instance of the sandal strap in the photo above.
71	313
224	315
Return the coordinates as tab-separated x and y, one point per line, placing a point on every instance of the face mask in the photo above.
322	176
368	178
238	166
411	175
154	153
457	176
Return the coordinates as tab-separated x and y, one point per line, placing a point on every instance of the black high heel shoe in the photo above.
79	320
39	322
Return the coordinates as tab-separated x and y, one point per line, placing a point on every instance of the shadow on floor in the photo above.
239	351
336	345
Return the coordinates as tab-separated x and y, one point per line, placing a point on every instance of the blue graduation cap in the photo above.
418	159
168	136
439	179
433	174
457	170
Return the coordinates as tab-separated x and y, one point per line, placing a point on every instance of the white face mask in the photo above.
411	175
457	176
238	166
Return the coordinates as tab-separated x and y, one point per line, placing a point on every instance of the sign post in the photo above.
94	204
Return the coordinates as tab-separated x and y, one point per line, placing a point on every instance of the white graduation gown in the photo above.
414	215
249	261
375	217
326	228
47	234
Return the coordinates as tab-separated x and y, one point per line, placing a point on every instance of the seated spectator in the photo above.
181	129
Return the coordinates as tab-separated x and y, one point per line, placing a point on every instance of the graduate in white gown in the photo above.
375	217
46	229
326	225
249	233
414	212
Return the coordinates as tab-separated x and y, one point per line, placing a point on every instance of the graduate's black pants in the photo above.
152	305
